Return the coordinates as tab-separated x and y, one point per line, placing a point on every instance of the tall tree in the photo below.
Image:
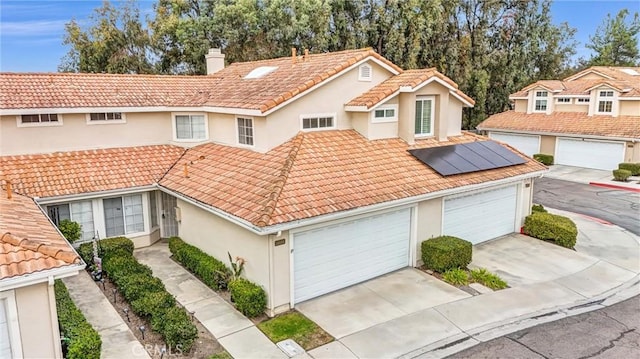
616	41
115	42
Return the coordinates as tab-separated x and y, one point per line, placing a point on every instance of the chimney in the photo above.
215	61
306	55
293	55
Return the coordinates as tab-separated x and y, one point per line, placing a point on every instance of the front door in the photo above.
169	222
113	216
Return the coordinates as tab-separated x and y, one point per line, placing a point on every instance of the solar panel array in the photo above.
467	157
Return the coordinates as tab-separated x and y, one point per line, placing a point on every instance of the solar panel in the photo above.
467	157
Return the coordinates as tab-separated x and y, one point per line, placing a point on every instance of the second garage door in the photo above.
336	256
589	153
481	216
527	144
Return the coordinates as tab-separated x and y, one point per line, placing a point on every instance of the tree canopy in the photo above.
615	42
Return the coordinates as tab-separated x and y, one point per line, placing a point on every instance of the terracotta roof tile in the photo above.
317	173
409	78
564	122
66	173
227	88
29	242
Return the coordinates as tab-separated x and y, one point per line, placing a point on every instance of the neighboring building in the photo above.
590	119
32	255
300	165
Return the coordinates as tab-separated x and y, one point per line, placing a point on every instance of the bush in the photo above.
249	298
114	246
487	279
551	227
634	168
621	175
546	160
71	230
86	253
445	252
83	341
176	327
135	286
151	303
211	271
118	267
538	208
456	276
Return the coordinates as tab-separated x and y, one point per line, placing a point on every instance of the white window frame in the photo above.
384	119
333	126
123	118
563	101
154	205
583	101
606	98
93	220
433	115
174	127
253	131
365	78
142	214
537	97
8	299
39	124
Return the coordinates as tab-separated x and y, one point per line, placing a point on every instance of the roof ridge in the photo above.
39	247
278	183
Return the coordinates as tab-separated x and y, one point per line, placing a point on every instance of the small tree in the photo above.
71	230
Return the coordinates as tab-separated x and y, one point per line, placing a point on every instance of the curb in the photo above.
613	186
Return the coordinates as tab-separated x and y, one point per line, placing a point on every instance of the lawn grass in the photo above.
222	355
293	325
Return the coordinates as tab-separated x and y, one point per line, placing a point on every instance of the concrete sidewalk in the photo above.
237	334
592	177
117	339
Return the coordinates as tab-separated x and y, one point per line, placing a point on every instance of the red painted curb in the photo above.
595	219
607	185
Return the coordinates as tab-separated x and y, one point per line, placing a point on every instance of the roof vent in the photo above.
261	71
364	73
631	72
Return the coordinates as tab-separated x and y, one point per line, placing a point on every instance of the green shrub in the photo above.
118	267
135	286
176	327
85	250
151	303
621	175
446	252
249	298
634	168
488	279
538	208
116	245
546	160
211	271
71	230
551	227
456	276
83	341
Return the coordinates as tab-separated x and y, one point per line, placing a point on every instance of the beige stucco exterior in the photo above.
630	108
548	145
520	105
38	321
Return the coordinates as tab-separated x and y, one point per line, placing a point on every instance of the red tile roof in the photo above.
227	88
564	122
66	173
29	242
317	173
409	78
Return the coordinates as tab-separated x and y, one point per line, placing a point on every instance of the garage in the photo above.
580	152
332	257
527	144
481	216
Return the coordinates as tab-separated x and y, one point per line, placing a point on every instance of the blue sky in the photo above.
31	32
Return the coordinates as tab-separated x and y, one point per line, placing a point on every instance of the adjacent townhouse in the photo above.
590	119
321	170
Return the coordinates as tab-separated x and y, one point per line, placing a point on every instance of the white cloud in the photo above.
32	27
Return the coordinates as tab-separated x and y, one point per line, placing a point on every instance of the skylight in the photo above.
631	72
261	71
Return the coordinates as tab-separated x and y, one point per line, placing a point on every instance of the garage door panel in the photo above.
589	153
527	144
333	257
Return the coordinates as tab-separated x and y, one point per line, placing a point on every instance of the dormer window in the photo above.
605	102
540	104
582	100
563	100
365	72
318	122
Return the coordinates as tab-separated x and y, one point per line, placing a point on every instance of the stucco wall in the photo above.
632	152
429	223
223	129
571	107
38	321
520	105
548	145
629	108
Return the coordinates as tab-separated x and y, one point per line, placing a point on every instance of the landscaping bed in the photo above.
294	325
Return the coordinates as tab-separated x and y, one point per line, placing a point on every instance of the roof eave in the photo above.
560	134
47	275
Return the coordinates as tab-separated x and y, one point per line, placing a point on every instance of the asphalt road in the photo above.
609	333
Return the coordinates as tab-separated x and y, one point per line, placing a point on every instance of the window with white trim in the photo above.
365	72
79	212
563	100
245	131
540	101
425	113
582	100
190	127
385	114
317	122
605	102
133	213
153	208
40	118
106	116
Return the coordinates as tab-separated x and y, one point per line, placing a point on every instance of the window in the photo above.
315	122
385	114
133	219
153	208
44	117
82	213
424	116
605	101
106	116
191	127
364	73
562	100
582	100
245	131
540	101
58	213
123	215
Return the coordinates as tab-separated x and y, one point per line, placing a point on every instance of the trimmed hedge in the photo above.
621	175
249	298
538	208
446	252
634	168
117	246
208	269
551	227
85	250
84	341
546	160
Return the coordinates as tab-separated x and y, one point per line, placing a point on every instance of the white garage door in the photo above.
529	145
337	256
481	216
5	345
589	153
